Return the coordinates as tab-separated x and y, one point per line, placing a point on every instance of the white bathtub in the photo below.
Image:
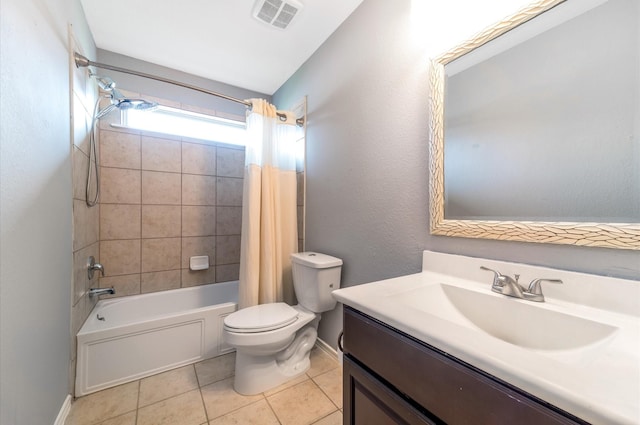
145	334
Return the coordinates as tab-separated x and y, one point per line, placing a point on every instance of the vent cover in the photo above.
276	13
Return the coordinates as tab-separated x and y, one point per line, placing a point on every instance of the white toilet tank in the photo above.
315	276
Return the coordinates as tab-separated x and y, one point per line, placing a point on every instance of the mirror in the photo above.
535	128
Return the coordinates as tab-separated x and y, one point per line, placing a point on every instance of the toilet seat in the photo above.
261	318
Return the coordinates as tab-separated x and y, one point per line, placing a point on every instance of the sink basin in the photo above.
522	323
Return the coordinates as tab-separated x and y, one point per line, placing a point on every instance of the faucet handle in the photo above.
498	278
535	288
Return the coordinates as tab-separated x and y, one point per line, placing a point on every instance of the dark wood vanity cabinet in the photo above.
392	378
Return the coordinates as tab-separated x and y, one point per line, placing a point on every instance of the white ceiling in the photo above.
216	39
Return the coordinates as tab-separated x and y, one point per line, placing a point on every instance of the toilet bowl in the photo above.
273	341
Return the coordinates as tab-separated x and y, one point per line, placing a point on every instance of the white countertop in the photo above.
599	383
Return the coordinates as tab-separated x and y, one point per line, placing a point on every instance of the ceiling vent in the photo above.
276	13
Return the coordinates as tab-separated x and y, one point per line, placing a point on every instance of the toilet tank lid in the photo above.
315	260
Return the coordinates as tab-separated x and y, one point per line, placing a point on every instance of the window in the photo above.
179	122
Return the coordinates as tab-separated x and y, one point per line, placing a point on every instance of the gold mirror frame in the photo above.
607	235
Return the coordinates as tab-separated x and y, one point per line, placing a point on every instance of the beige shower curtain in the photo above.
269	219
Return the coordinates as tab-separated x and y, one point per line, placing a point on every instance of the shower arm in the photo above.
83	62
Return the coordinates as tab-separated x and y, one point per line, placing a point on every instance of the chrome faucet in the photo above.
534	293
509	286
92	266
93	292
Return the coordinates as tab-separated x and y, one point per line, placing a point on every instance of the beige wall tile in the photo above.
81	125
198	159
198	221
160	281
198	190
185	409
161	188
230	162
120	257
229	191
80	276
227	272
228	220
227	249
124	285
196	246
160	254
167	384
161	154
199	277
120	186
119	150
80	163
160	221
78	316
85	224
119	221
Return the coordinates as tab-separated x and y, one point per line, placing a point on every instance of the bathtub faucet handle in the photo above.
92	266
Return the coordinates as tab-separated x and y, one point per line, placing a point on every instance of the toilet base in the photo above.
257	374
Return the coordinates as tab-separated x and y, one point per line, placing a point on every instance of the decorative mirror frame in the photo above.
607	235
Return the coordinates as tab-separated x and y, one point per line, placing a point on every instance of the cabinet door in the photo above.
444	387
368	401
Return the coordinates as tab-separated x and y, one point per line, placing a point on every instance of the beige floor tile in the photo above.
216	369
321	362
258	413
106	404
126	419
167	384
331	384
301	404
185	409
220	398
287	384
333	419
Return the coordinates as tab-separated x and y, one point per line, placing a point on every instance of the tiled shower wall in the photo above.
85	219
164	199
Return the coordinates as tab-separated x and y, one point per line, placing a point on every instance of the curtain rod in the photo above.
82	61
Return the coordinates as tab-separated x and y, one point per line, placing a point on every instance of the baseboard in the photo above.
64	411
327	348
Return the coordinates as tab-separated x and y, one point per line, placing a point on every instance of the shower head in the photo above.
119	101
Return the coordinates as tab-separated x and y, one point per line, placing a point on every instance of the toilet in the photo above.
273	341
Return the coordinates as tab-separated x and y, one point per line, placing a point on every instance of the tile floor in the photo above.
202	394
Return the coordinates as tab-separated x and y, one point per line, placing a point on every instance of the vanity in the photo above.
440	347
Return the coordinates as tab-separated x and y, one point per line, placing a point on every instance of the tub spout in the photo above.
101	291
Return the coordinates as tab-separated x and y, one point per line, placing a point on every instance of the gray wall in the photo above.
172	92
367	173
35	207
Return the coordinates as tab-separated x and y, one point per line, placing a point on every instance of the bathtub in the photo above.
125	339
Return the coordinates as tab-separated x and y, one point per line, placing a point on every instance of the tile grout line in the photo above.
271	407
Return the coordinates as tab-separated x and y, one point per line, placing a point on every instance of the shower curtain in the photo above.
269	219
